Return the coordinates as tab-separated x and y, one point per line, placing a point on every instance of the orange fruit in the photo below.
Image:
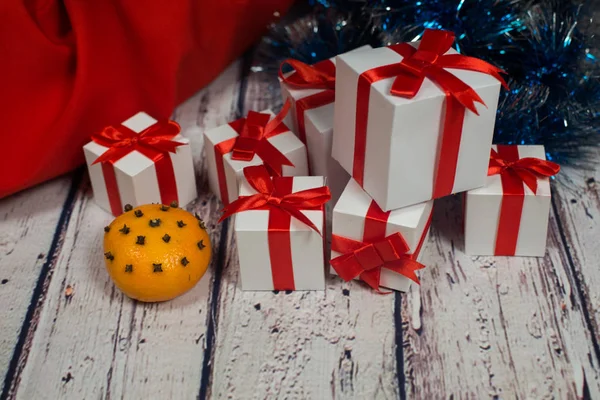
156	252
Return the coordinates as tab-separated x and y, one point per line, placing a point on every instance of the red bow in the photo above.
153	142
526	169
318	76
268	197
365	260
429	60
253	137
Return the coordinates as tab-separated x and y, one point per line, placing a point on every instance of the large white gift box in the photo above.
506	217
311	118
406	148
225	173
357	217
277	251
148	161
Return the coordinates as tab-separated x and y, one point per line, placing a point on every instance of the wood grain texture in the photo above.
97	343
26	240
578	215
334	344
497	327
477	327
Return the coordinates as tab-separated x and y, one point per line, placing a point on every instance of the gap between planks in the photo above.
35	375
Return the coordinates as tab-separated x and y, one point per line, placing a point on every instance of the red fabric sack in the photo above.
71	67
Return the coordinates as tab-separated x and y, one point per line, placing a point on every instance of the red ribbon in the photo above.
275	194
515	171
155	142
253	133
428	61
318	76
365	259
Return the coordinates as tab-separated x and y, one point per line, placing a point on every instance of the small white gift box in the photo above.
506	217
225	172
311	118
147	161
418	143
357	217
277	251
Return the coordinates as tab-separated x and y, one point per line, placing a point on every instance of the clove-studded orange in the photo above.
156	252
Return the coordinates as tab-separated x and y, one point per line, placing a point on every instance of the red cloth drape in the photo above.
71	67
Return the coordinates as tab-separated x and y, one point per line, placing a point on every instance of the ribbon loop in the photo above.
526	169
318	76
268	198
252	139
366	259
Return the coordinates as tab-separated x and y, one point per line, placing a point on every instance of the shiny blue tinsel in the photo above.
548	48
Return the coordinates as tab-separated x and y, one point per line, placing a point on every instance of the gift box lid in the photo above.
134	162
409	221
360	62
258	220
493	184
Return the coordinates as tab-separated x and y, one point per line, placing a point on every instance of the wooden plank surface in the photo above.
478	327
27	252
97	343
578	210
334	344
495	326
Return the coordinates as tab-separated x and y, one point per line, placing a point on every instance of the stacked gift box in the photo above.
380	134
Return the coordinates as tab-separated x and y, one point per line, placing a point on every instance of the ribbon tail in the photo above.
459	61
275	122
272	157
462	92
243	203
300	216
372	278
528	178
406	267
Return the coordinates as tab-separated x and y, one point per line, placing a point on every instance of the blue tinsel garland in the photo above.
548	48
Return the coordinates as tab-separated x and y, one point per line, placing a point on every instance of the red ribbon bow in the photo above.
155	142
365	260
428	61
253	137
268	197
526	169
318	76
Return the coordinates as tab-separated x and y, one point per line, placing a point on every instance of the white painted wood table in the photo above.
477	327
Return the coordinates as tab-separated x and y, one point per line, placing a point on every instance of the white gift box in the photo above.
482	214
258	267
318	124
286	142
349	219
403	136
136	174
